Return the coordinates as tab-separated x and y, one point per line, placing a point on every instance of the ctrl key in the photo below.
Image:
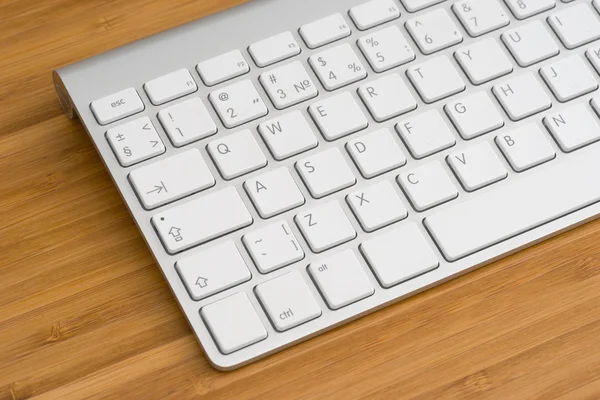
233	323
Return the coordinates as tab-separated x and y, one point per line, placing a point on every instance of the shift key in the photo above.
202	219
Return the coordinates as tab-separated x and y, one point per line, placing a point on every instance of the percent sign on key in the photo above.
354	67
372	42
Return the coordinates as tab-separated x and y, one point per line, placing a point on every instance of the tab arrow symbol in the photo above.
157	189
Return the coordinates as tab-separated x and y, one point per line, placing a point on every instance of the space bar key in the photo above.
531	200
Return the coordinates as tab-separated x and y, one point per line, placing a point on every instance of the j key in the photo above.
427	186
171	86
338	116
526	8
273	246
325	226
436	79
374	12
187	122
525	147
117	106
530	43
569	78
337	67
573	127
386	48
477	166
474	115
387	97
433	31
376	153
325	173
237	154
522	96
288	135
325	31
480	16
288	85
376	206
576	25
425	134
238	103
483	61
224	67
274	49
274	192
135	141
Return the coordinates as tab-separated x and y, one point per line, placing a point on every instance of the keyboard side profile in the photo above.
406	163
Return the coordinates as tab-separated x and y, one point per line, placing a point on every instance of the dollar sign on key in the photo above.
323	62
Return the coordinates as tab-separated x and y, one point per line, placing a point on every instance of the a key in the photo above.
288	85
525	147
520	205
171	178
569	78
238	103
274	192
480	16
338	116
522	96
386	48
201	219
117	106
530	43
427	186
593	55
416	5
433	31
135	141
474	115
576	25
337	67
170	87
222	68
341	279
436	79
373	13
274	49
376	153
477	166
325	173
236	154
273	246
288	135
187	122
233	323
213	270
425	134
287	301
376	206
399	255
325	226
387	97
324	31
526	8
483	61
573	127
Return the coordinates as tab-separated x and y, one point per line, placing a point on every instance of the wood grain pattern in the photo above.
84	311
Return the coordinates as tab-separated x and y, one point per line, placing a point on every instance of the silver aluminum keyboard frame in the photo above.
183	47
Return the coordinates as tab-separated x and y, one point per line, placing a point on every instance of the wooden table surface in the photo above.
85	312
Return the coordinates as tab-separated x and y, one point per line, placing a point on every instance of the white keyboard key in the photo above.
477	166
187	122
337	67
433	31
117	106
325	31
596	4
593	55
576	25
233	323
341	279
416	5
376	206
399	255
170	87
274	49
376	153
202	219
387	97
483	61
525	147
480	16
530	43
171	178
222	68
135	141
325	226
436	79
236	154
386	48
273	246
474	115
573	127
274	192
526	8
238	103
213	270
427	186
288	135
338	116
325	172
569	78
288	85
287	301
425	134
522	96
508	210
373	13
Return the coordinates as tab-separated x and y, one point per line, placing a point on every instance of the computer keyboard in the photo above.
294	165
